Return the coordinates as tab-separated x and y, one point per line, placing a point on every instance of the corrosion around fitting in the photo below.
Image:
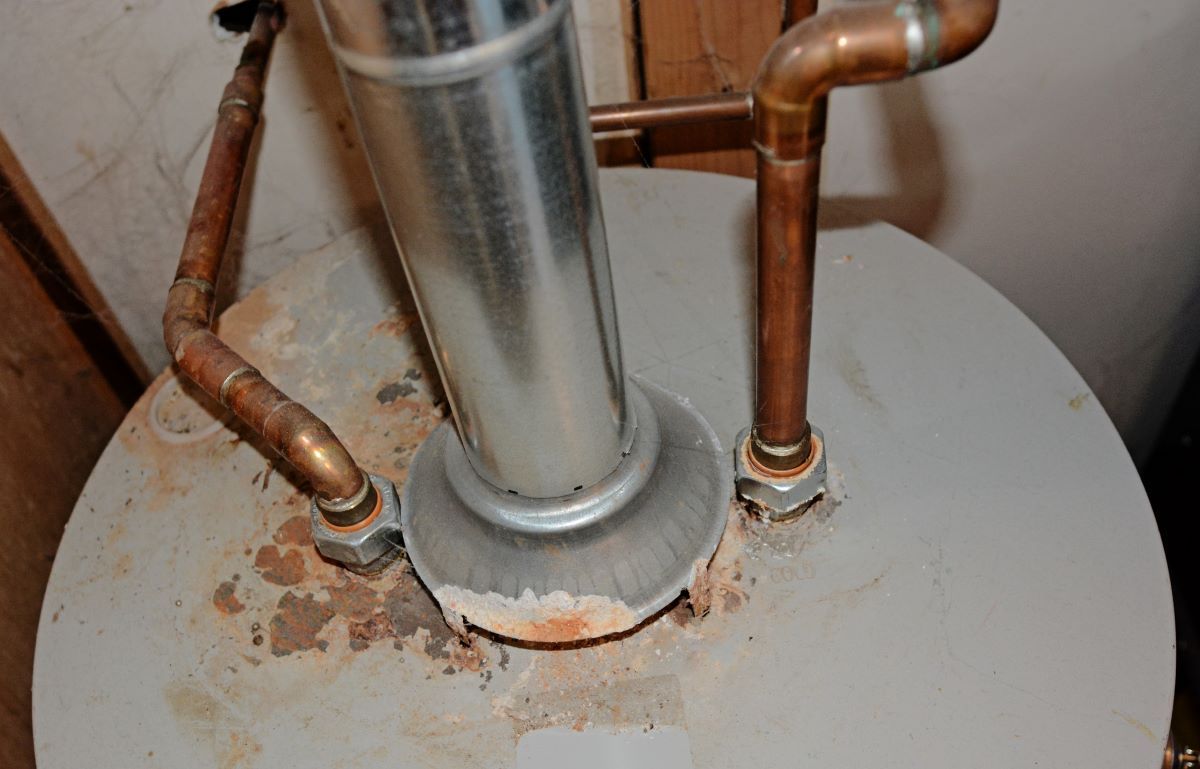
296	433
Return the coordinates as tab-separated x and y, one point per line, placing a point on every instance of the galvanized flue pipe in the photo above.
434	91
342	491
845	46
474	119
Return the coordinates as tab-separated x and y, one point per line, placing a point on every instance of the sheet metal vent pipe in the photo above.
569	503
475	123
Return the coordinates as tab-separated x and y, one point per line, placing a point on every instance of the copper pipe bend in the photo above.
845	46
342	491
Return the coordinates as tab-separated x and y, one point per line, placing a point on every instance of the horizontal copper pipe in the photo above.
676	110
845	46
292	430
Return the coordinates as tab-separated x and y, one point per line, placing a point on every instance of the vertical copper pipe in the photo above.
845	46
787	217
787	225
341	488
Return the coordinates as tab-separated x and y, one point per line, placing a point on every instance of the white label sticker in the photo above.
665	747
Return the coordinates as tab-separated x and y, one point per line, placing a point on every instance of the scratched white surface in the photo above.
991	587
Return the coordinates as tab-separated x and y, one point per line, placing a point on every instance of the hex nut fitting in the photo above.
363	548
779	497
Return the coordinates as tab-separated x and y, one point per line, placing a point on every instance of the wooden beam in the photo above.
58	413
692	47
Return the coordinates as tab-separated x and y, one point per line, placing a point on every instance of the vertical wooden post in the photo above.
67	372
58	413
692	47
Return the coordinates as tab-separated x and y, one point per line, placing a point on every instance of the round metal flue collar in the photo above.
583	566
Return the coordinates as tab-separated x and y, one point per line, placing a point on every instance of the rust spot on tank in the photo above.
297	623
225	599
389	393
396	324
467	656
353	600
285	569
700	589
296	530
724	572
410	609
375	628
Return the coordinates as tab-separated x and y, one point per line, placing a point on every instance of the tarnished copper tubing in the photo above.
672	111
845	46
343	492
786	236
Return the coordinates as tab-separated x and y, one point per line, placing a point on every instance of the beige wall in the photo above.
110	106
1059	162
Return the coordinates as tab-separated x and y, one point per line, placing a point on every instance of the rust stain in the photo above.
411	609
296	625
376	627
296	530
700	590
397	323
199	711
242	751
792	537
1136	724
285	569
192	705
467	656
390	392
850	597
353	600
225	599
251	322
122	566
116	533
327	601
719	589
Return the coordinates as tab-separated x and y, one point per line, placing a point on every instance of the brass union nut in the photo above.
778	497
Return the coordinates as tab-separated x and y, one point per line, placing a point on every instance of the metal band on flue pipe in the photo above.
476	127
